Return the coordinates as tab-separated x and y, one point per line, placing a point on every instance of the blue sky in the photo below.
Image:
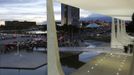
31	10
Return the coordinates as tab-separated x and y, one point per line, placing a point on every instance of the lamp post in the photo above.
53	59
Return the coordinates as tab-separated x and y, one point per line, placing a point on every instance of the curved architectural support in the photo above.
119	38
125	33
114	42
123	36
53	59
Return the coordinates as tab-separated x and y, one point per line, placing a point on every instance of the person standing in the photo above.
125	49
131	48
132	62
131	29
130	26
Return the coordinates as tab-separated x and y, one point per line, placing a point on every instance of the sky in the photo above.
29	10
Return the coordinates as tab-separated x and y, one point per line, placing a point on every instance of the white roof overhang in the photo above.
122	9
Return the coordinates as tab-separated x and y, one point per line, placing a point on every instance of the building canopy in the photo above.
122	9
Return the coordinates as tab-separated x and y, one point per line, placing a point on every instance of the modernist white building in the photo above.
121	9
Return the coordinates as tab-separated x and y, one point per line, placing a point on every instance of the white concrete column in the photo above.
123	33
124	27
114	42
118	29
53	59
124	30
121	39
113	34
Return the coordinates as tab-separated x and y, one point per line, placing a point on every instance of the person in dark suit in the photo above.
130	26
125	49
131	48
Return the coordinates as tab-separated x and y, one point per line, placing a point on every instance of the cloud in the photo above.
85	13
34	10
31	10
16	1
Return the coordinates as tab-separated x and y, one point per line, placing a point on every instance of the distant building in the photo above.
70	15
19	23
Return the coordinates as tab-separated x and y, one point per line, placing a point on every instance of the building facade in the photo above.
19	23
16	25
70	15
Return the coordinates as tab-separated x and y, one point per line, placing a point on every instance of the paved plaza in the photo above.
106	64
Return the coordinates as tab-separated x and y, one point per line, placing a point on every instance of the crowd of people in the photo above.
27	46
